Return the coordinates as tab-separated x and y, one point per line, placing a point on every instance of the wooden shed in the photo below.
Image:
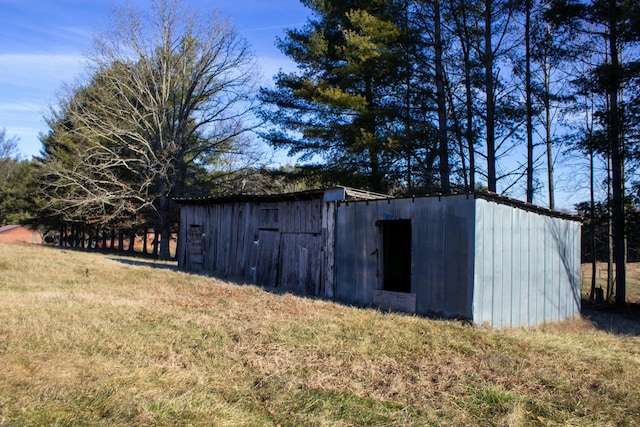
480	257
18	234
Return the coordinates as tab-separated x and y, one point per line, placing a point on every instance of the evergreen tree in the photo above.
16	180
345	104
611	28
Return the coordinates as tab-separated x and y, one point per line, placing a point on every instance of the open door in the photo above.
396	255
395	263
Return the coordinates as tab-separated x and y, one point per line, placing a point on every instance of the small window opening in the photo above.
269	217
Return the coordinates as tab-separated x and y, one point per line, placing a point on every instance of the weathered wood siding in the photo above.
441	250
280	244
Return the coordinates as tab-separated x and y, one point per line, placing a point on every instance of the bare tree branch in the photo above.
171	92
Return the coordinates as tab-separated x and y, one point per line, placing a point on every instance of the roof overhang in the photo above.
338	193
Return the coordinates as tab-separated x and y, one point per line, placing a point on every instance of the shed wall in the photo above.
470	257
527	266
441	250
279	244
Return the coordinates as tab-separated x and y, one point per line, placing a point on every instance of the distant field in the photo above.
93	340
633	279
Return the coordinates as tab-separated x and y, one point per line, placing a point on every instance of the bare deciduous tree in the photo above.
8	146
170	99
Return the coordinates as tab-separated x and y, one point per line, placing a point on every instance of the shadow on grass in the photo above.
616	320
151	263
605	317
125	257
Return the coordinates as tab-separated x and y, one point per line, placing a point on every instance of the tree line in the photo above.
418	97
406	97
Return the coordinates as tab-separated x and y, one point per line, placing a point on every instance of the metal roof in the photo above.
504	200
348	194
498	198
327	194
9	228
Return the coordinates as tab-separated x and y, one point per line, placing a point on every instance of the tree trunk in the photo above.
469	113
74	236
592	226
407	105
156	242
547	126
460	139
490	98
442	102
528	102
617	159
376	178
144	241
89	238
548	143
164	217
462	31
132	240
610	261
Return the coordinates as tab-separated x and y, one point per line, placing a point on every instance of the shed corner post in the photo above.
329	223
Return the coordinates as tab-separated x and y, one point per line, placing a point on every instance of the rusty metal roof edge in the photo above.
350	194
355	195
499	198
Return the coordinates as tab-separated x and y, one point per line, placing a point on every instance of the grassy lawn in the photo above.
88	339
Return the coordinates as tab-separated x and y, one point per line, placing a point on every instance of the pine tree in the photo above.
343	104
616	23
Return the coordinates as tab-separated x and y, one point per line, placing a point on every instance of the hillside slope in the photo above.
87	339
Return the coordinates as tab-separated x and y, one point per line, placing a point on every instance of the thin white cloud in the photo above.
20	107
38	70
28	84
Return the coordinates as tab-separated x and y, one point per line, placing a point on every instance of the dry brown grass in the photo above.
632	282
93	340
607	317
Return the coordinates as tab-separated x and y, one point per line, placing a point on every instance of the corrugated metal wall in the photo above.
527	266
441	248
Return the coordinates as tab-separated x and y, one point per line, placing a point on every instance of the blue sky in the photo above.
44	43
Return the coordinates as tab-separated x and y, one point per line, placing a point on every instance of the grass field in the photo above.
94	340
632	280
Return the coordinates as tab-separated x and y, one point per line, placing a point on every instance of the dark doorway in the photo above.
396	255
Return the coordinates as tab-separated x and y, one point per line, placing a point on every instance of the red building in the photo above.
18	234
